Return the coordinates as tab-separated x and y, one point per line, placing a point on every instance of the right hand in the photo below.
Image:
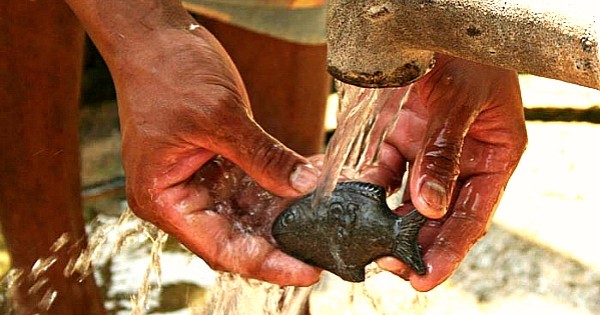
462	131
182	102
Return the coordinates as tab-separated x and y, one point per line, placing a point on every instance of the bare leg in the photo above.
41	48
287	83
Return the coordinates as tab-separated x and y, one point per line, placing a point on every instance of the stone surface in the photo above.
389	43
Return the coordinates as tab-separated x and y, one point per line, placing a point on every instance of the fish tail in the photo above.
406	247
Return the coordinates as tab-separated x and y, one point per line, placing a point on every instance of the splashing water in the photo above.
140	301
380	294
107	240
35	279
110	238
233	294
252	211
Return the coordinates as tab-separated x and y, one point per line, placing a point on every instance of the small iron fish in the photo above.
350	229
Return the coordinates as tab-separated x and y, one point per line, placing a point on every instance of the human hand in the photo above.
462	131
182	102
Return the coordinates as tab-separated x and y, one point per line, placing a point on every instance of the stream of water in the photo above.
360	133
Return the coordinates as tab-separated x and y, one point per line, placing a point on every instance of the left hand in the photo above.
462	131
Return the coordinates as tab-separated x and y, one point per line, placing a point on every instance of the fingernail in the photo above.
434	194
304	178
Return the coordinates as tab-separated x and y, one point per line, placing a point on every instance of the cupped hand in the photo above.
182	102
462	131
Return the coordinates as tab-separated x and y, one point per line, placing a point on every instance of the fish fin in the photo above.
366	189
351	273
406	247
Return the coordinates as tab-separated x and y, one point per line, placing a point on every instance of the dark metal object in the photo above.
349	230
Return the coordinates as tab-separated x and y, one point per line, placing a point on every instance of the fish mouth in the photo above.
284	237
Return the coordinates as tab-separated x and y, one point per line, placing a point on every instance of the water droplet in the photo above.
47	300
13	278
60	242
42	265
37	285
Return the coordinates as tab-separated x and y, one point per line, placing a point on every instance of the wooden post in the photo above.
287	84
41	50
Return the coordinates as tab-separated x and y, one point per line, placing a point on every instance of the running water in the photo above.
365	117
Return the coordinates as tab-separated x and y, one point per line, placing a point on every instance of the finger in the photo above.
431	229
395	266
253	257
437	164
274	166
464	226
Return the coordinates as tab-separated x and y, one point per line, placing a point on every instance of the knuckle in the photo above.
521	142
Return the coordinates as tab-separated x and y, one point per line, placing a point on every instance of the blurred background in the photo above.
540	256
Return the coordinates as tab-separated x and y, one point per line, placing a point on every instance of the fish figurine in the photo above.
350	229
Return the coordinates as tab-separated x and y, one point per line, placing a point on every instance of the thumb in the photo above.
434	174
275	167
437	164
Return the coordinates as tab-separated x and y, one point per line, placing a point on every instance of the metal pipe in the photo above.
382	43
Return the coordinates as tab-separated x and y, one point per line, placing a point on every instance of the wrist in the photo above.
123	27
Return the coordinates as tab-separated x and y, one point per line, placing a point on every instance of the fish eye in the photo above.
288	218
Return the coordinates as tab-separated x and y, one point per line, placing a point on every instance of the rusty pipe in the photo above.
384	43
